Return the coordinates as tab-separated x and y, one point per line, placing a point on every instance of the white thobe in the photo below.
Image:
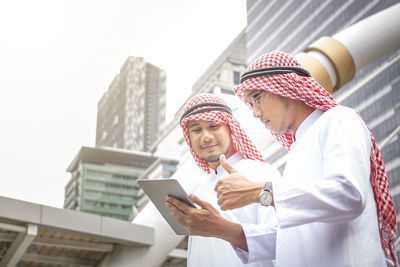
324	201
209	251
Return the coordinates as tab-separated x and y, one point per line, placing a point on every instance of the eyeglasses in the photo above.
254	99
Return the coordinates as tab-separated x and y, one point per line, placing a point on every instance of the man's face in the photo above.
274	111
209	140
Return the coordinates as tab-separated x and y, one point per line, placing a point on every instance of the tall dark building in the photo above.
131	114
374	92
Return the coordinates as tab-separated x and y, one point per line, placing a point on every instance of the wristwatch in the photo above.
265	197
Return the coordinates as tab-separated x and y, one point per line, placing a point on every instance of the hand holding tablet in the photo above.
157	190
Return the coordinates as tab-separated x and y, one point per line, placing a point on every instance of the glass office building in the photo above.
103	182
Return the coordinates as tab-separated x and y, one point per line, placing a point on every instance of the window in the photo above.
236	77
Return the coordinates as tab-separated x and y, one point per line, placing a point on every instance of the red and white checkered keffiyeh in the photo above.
240	140
307	90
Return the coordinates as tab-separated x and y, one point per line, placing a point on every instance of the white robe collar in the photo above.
307	123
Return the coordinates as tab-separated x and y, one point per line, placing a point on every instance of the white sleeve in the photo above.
261	237
338	196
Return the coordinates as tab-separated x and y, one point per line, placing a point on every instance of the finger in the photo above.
179	204
221	200
225	205
180	216
220	183
224	163
217	185
197	200
220	191
201	203
174	210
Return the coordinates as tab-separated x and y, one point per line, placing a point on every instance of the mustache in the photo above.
208	145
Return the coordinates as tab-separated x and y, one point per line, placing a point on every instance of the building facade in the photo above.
225	71
131	113
374	92
103	182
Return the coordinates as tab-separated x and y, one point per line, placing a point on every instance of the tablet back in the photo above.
157	190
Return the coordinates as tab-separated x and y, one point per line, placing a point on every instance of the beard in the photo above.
215	158
212	158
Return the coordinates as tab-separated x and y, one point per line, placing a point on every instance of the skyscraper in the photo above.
131	113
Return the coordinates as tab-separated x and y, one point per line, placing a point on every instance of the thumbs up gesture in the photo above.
235	190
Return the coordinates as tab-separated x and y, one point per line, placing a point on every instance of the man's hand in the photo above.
235	191
206	221
198	221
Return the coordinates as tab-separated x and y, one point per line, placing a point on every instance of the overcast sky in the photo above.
57	58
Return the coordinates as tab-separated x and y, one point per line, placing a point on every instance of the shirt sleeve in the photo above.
261	242
339	195
261	237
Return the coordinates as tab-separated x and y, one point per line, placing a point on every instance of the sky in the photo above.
57	58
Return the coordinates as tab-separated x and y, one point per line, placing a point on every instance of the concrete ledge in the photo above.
19	210
142	234
92	225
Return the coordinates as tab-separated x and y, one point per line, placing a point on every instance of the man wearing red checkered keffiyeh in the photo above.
210	108
210	130
333	203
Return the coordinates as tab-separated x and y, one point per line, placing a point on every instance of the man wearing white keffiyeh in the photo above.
333	203
210	131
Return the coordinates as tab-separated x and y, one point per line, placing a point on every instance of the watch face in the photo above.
265	198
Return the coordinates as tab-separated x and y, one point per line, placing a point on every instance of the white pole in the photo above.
373	37
334	60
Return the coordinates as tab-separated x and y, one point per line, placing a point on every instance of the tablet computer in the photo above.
157	190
